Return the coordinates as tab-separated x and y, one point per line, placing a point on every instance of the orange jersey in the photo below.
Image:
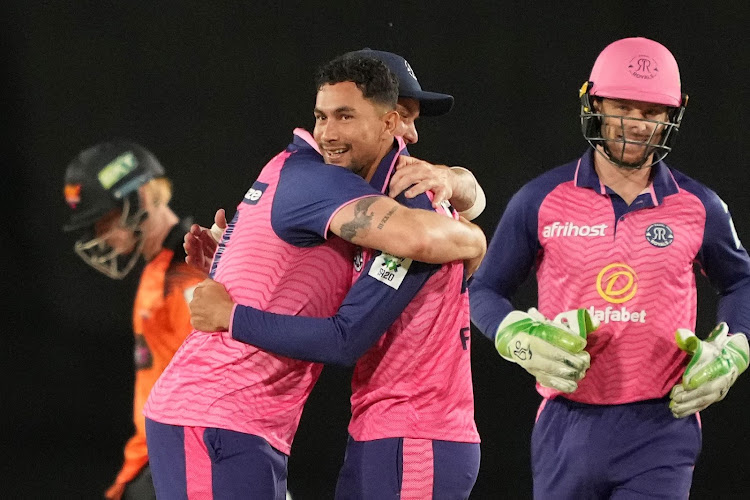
161	321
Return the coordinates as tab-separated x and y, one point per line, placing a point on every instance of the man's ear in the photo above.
390	121
596	103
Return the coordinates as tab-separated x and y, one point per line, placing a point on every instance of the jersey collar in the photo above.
662	184
382	176
304	139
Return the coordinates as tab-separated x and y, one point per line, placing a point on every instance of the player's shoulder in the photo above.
708	197
539	187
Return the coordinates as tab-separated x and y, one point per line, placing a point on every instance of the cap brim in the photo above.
431	103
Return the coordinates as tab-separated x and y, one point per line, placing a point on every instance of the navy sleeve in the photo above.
369	308
308	194
510	257
725	263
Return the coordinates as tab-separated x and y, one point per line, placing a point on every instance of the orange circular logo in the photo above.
617	283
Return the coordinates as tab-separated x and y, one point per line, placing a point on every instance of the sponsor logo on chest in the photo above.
568	229
617	283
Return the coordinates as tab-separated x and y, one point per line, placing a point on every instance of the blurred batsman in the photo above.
119	201
615	234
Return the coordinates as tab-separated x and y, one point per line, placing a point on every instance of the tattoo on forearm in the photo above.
386	217
361	219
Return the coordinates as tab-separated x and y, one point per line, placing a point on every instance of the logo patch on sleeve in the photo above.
252	197
390	270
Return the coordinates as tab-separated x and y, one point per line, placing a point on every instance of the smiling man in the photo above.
221	419
406	326
617	232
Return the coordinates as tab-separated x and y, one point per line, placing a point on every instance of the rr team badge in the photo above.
660	235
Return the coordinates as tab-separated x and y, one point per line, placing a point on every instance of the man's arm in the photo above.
726	264
414	233
366	313
382	223
455	184
510	258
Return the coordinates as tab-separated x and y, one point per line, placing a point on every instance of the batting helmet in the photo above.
100	180
636	69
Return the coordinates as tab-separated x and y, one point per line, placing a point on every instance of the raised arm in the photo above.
455	184
382	223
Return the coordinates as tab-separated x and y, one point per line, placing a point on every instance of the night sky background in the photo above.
214	89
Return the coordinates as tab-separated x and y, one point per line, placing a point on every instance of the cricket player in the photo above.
412	176
221	419
119	203
616	232
412	433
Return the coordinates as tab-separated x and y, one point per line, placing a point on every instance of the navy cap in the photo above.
430	103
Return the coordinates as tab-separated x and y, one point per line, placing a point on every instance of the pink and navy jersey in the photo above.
630	266
275	255
414	381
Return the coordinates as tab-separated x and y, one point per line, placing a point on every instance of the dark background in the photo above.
215	91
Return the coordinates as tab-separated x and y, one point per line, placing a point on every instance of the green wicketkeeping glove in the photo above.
552	351
715	365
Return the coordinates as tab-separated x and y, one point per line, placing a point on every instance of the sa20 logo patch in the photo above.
660	235
390	269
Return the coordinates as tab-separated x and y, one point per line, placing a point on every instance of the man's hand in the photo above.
715	365
414	176
200	243
211	307
552	351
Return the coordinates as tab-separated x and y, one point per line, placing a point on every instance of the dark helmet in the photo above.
102	177
99	180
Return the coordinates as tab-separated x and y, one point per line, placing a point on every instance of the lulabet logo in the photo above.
617	283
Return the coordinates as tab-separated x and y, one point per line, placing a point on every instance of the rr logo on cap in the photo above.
409	70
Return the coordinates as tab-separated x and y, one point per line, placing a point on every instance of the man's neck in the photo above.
628	183
374	167
157	227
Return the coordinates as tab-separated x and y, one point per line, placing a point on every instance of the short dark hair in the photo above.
376	81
